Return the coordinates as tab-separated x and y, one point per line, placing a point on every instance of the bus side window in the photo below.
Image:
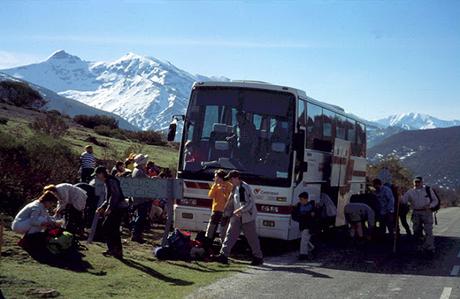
361	140
340	127
351	135
301	113
314	126
329	128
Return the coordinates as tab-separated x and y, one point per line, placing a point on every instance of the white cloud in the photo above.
13	59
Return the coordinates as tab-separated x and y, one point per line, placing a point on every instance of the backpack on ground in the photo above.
59	241
436	208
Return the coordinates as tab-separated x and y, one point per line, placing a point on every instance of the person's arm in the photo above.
249	200
391	200
295	213
63	199
405	198
212	191
370	217
435	199
36	219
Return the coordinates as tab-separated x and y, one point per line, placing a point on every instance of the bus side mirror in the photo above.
172	130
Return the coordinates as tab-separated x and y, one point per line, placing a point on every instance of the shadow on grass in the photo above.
72	261
154	273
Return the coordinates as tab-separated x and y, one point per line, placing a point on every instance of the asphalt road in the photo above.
341	270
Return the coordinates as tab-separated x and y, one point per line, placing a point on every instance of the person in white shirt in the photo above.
422	216
34	217
71	204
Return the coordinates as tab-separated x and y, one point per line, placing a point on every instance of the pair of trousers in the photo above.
140	221
111	228
86	174
423	222
233	232
214	222
305	242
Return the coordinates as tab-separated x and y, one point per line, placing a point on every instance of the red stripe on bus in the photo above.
195	202
359	173
207	203
196	185
339	160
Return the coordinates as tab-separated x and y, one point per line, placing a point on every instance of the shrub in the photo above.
94	141
109	132
20	94
92	121
31	164
147	137
51	124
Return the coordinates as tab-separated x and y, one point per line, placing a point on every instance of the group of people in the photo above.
233	209
73	207
384	203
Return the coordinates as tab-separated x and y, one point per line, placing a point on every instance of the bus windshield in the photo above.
239	128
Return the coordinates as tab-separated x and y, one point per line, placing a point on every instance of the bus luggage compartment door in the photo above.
191	218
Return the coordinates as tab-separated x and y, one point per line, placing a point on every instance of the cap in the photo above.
233	174
418	179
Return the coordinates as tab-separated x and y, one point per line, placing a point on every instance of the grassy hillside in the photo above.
77	137
25	154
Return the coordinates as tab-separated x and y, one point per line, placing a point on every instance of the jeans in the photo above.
111	228
140	221
86	174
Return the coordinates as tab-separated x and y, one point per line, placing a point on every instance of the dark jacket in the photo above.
308	219
114	198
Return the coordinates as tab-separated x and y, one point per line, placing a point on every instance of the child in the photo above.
304	213
219	193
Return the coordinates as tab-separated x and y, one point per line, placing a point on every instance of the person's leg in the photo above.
233	232
117	234
403	217
139	223
304	239
212	225
417	227
224	223
428	228
390	224
250	232
359	230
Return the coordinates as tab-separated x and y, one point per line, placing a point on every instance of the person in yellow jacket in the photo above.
219	193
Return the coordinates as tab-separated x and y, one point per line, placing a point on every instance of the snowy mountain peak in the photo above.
144	90
61	54
416	121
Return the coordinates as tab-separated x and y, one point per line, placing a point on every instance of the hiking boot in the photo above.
222	259
257	261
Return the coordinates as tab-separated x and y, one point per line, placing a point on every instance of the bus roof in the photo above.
268	86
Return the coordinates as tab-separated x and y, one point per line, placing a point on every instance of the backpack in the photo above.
438	205
436	208
59	241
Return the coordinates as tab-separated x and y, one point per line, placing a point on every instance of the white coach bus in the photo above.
283	143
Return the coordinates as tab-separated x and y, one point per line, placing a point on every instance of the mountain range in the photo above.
147	91
143	90
68	106
432	153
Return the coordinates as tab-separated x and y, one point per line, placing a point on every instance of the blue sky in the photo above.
374	58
